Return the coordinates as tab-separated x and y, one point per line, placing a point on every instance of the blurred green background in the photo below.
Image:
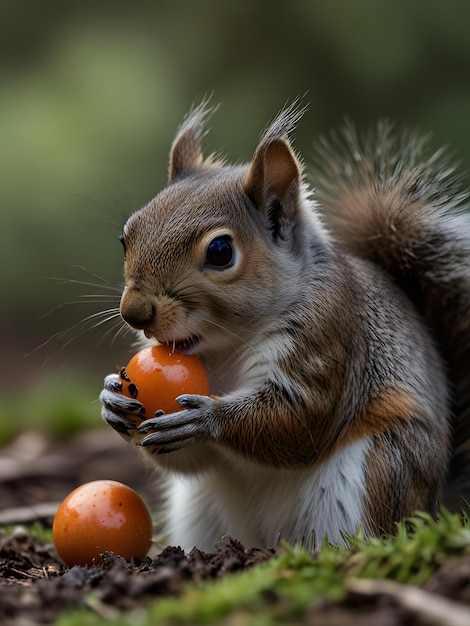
90	96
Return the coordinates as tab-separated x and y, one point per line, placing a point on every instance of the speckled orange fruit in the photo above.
158	374
101	516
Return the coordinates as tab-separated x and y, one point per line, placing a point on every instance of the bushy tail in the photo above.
390	200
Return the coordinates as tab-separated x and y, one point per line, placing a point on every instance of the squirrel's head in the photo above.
208	259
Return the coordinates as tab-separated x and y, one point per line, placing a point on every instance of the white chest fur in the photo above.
257	505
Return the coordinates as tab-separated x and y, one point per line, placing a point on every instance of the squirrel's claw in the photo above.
120	423
120	412
177	430
193	401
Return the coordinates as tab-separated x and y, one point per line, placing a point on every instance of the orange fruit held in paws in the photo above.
158	374
101	516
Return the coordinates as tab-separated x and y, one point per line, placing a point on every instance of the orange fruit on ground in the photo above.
158	374
101	516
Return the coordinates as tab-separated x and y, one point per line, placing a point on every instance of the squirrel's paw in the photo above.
194	424
120	412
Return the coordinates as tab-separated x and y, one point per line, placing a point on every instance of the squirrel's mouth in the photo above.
185	345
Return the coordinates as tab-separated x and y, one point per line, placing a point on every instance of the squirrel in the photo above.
333	317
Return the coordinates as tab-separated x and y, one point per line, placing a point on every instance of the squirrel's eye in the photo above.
220	253
123	241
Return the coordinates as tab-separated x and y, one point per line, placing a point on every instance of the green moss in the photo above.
41	532
282	589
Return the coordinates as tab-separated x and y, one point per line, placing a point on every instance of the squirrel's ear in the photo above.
186	151
273	180
274	176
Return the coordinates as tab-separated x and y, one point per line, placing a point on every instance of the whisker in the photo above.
105	297
110	313
117	322
80	337
65	347
103	206
84	283
123	329
101	298
122	215
99	282
62	305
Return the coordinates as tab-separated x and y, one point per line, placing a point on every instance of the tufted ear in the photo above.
274	177
274	174
186	151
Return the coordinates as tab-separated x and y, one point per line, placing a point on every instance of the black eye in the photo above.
220	253
123	241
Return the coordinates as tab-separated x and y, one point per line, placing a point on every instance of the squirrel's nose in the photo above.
136	309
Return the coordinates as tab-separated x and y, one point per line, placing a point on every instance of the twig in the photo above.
28	514
436	610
